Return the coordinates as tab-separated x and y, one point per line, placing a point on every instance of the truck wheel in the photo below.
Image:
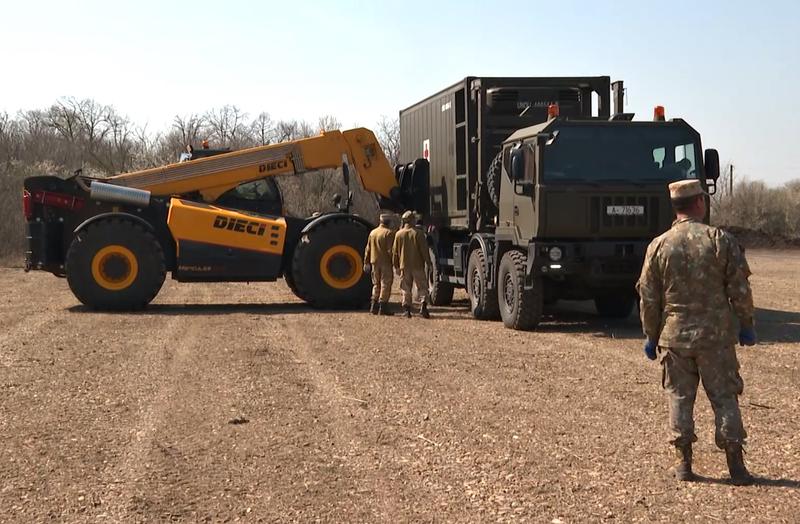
614	306
483	302
441	292
115	265
493	176
327	266
520	308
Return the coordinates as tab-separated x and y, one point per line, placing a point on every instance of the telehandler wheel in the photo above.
327	266
483	302
614	306
289	278
441	292
520	308
493	175
115	265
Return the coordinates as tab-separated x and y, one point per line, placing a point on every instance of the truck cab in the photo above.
583	199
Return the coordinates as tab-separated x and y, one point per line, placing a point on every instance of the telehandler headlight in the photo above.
555	253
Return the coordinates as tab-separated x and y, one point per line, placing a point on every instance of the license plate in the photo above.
625	211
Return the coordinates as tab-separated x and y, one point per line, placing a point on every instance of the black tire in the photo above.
115	265
611	306
441	292
340	282
520	308
483	302
289	279
493	175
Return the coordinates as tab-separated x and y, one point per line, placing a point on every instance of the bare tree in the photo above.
286	130
188	128
262	129
227	127
389	138
328	123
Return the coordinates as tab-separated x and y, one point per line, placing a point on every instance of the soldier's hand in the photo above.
747	337
650	349
367	268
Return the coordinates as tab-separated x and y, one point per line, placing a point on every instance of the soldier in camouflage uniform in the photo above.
378	261
693	289
410	258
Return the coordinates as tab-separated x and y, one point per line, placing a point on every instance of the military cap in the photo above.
408	216
685	189
386	217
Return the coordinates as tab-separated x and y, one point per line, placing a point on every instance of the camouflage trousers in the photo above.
382	280
718	368
409	278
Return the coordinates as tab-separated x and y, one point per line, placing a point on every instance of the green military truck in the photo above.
538	193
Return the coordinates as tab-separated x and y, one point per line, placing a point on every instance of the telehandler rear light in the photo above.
658	114
552	111
27	204
60	200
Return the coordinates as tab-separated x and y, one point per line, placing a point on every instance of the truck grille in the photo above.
601	221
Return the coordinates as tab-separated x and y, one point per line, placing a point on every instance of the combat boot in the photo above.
739	474
683	469
407	311
383	309
373	307
423	310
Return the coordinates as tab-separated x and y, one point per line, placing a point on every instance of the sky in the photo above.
730	68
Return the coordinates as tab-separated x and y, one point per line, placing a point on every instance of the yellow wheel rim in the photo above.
114	267
341	267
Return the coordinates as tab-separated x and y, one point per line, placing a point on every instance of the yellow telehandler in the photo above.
217	217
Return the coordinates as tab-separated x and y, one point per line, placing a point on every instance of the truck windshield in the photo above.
636	153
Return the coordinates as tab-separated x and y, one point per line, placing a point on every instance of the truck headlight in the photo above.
555	254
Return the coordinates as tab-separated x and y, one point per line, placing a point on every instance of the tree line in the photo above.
74	133
753	205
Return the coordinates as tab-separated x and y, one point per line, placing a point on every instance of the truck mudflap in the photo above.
44	247
599	264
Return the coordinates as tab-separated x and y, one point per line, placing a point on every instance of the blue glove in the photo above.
747	337
650	349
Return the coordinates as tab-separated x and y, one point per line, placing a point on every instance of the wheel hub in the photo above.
508	290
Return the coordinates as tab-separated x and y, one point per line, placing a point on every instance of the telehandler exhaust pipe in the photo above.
119	194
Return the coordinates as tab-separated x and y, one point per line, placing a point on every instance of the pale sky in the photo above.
730	68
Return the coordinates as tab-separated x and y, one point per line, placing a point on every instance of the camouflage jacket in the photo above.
693	286
379	246
410	249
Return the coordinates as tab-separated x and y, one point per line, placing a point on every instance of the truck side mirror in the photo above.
712	164
518	164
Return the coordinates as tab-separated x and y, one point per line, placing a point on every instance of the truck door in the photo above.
524	191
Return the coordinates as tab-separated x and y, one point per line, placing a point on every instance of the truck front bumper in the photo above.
597	264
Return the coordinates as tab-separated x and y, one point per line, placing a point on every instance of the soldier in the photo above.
693	288
378	261
410	258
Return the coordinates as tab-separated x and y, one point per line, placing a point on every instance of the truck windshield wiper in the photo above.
586	181
633	181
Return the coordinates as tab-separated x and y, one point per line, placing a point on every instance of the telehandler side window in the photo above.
260	196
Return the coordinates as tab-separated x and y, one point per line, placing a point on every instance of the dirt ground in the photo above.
235	402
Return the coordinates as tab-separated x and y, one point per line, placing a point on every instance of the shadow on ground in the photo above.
759	481
774	325
274	308
563	317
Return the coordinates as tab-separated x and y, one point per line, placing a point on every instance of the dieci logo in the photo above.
240	226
